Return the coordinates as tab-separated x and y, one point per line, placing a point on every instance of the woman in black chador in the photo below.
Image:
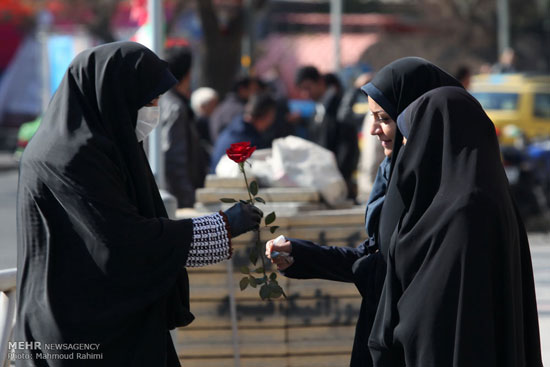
393	88
98	260
459	289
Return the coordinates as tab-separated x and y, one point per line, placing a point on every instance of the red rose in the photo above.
240	152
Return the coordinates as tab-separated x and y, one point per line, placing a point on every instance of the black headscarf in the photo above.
402	81
98	260
459	287
395	87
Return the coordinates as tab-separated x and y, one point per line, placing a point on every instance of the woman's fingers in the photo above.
268	248
281	263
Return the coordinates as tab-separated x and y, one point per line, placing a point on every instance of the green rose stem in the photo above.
241	166
258	239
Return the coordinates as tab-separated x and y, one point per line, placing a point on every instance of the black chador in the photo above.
98	261
459	289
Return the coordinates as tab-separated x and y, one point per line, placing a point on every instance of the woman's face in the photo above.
383	126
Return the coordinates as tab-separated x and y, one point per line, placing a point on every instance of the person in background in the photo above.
285	120
324	128
99	261
333	81
506	62
232	105
464	76
185	160
204	101
352	96
258	116
313	85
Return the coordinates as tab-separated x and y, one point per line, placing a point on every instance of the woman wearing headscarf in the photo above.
99	262
393	88
459	287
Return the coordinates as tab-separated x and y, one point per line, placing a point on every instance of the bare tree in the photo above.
453	32
100	25
221	51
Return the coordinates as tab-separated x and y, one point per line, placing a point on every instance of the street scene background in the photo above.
498	49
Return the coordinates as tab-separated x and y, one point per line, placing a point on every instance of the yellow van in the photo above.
516	100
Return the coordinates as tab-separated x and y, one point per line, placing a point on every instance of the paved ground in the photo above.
540	250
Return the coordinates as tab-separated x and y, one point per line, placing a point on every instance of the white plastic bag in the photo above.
260	167
293	162
299	162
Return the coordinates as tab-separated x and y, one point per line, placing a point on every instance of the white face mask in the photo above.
147	119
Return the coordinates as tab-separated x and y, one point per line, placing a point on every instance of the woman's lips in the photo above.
386	143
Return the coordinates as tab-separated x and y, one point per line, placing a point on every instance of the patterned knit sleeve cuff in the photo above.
211	241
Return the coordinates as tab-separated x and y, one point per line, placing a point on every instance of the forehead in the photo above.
374	107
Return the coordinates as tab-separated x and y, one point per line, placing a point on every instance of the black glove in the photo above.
242	218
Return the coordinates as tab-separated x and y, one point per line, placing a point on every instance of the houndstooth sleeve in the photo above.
211	241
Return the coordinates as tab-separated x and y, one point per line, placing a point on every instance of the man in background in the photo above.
258	116
232	105
185	160
464	76
324	128
204	101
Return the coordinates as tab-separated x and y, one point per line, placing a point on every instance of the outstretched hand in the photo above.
243	218
279	253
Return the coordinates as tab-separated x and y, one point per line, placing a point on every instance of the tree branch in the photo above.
209	20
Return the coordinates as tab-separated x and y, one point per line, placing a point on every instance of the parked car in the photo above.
519	101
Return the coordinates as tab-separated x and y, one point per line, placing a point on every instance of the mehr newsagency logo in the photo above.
53	351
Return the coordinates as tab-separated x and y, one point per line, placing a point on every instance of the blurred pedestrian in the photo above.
459	287
324	128
259	115
313	86
185	159
285	120
98	259
204	101
464	76
350	98
232	105
393	89
506	62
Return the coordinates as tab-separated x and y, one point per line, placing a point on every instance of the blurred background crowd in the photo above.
257	70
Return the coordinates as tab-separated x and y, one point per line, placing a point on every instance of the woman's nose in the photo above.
375	128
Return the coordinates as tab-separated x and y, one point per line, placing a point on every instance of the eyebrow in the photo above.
379	111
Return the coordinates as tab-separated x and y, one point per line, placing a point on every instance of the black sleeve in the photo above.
313	261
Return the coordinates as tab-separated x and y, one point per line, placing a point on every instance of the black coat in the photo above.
459	287
337	136
98	261
186	160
